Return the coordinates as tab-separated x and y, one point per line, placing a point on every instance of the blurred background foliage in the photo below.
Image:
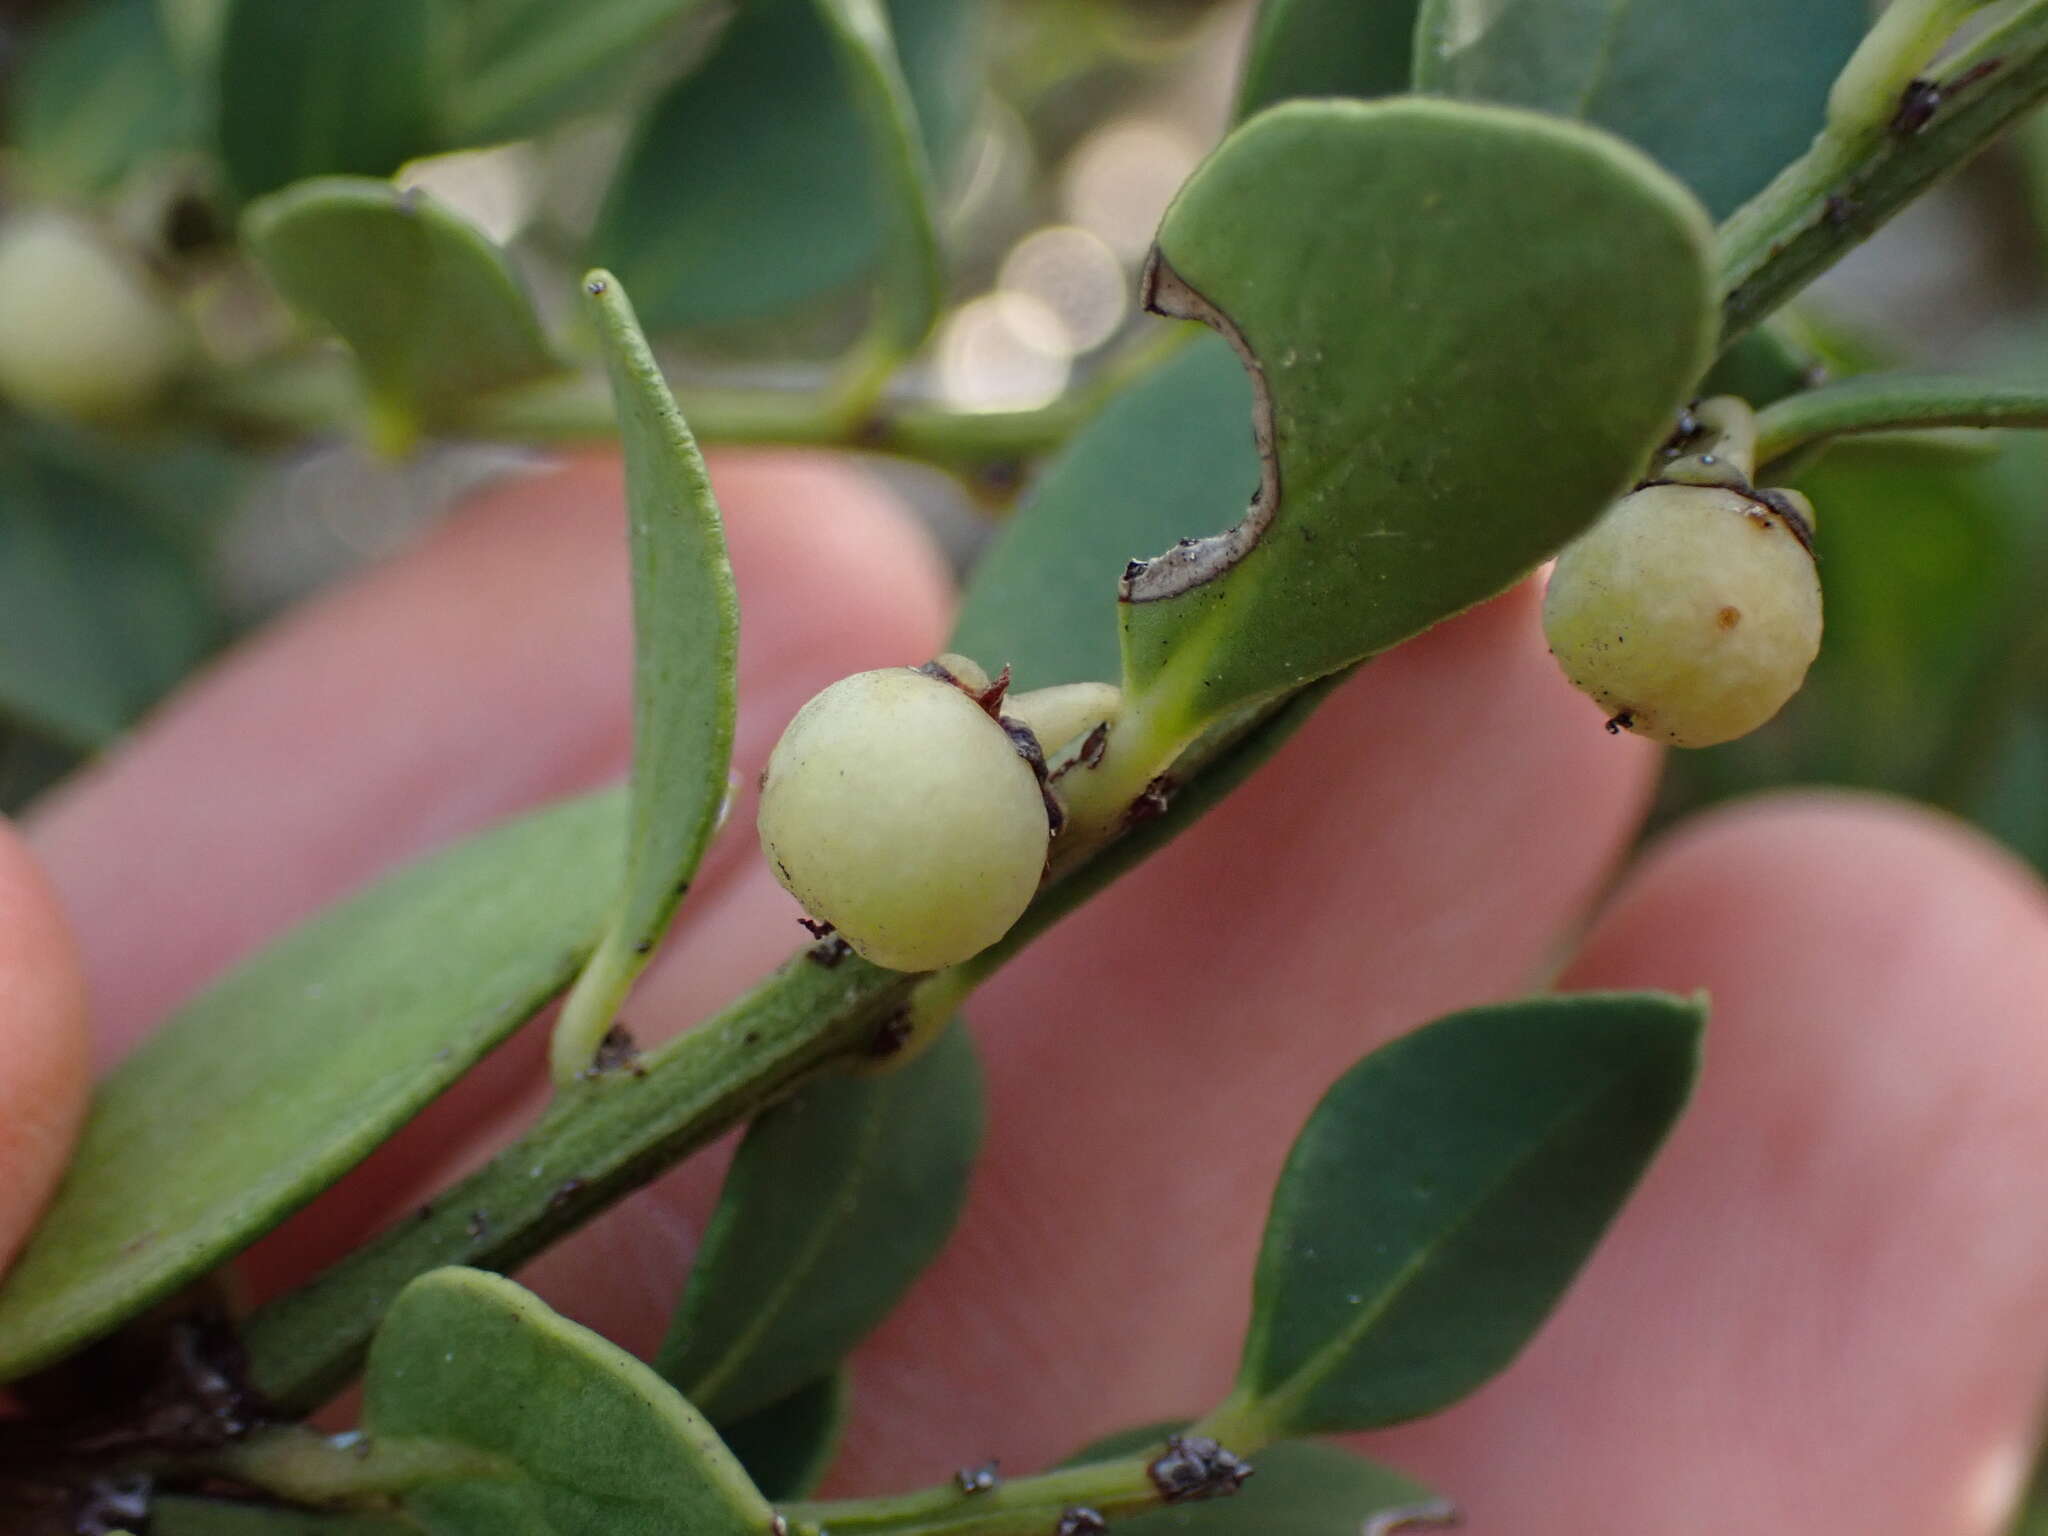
708	153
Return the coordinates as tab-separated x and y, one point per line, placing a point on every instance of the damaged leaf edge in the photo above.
1195	562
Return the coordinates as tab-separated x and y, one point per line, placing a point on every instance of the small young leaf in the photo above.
432	311
527	63
1299	1489
1454	375
566	1434
788	1447
835	1203
1442	1196
1724	93
302	1062
170	1515
1171	453
97	93
686	636
1361	48
329	87
715	214
102	606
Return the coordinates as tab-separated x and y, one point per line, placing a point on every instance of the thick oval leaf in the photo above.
835	1203
1442	1196
97	93
715	216
565	1433
788	1447
686	640
103	605
329	87
1172	453
173	1516
526	63
300	1063
1299	1489
1359	48
428	304
1725	93
1466	329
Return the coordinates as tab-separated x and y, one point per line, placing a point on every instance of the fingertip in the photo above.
44	1048
1834	1265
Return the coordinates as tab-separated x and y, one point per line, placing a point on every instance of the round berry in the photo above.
83	331
1689	612
898	810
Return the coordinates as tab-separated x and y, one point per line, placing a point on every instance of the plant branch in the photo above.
603	1137
1881	402
1024	1506
315	393
1857	175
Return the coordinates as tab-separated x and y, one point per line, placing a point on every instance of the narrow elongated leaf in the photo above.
1170	455
329	87
427	303
97	93
1299	1489
715	214
1657	72
102	606
1452	379
565	1433
686	637
1442	1196
1361	48
526	63
835	1203
173	1516
302	1062
787	1447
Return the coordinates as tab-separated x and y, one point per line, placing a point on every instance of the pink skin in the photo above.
1827	1311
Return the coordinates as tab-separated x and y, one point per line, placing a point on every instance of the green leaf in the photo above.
1442	1196
1454	378
103	607
1298	1489
170	1515
329	88
193	29
302	1062
429	305
1725	93
835	1203
527	63
97	93
716	212
1171	453
686	638
1328	48
788	1447
565	1434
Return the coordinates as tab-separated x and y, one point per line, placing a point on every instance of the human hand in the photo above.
1827	1309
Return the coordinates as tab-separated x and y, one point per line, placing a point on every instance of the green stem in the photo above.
1858	174
1881	402
318	394
601	1139
911	285
1024	1506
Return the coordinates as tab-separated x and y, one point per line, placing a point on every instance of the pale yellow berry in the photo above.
83	331
898	810
1689	613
